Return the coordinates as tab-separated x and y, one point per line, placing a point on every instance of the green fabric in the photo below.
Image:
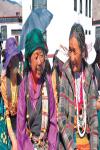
34	40
5	143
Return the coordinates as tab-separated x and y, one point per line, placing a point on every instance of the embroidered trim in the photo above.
81	117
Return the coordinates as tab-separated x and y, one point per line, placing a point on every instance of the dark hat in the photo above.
11	50
34	40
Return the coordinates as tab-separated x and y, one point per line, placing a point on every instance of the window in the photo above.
89	32
16	31
5	20
97	32
39	4
4	32
86	8
81	6
86	32
89	8
75	5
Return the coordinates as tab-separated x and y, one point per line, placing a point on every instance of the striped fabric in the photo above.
67	108
45	112
55	89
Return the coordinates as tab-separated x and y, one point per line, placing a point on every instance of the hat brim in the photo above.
62	55
7	61
91	56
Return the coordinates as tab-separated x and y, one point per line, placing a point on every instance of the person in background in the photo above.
36	114
60	57
5	143
77	103
0	57
10	87
96	67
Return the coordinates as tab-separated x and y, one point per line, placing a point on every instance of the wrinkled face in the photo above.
37	63
75	55
14	64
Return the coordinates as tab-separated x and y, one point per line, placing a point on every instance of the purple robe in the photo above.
24	142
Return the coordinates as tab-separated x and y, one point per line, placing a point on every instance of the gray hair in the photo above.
78	31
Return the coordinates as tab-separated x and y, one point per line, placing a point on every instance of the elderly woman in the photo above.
36	117
96	67
77	107
10	86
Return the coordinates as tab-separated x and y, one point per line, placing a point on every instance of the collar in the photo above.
88	75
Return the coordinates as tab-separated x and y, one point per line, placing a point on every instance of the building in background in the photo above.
96	17
10	19
65	13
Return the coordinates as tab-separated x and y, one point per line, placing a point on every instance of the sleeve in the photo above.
64	126
4	93
54	85
92	116
53	129
23	140
5	98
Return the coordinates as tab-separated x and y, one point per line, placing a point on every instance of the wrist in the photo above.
13	138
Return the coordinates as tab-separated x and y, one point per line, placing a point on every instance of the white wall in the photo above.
11	26
64	17
26	9
57	30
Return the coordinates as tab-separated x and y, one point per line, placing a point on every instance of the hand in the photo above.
98	104
14	145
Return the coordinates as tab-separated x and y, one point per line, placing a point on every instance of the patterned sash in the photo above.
12	96
45	114
45	108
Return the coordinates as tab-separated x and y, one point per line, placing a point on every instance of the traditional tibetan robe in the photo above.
10	97
67	110
36	116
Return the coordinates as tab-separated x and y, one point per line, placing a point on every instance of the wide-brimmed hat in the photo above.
11	50
34	40
62	54
91	54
